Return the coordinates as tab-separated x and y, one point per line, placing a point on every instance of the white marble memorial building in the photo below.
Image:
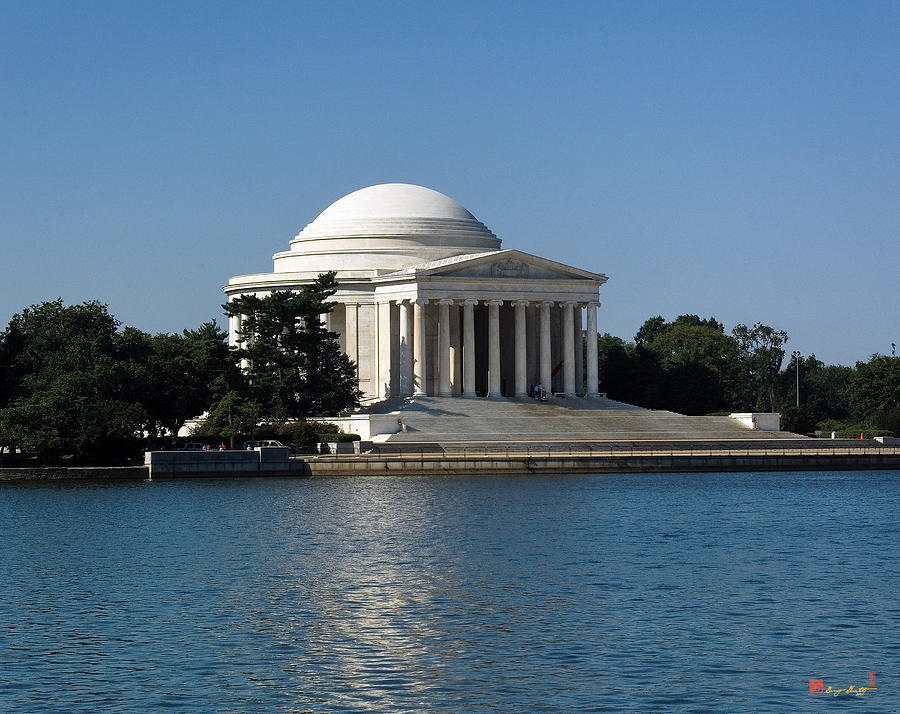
428	302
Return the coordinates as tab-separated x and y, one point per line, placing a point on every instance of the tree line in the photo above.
75	385
692	366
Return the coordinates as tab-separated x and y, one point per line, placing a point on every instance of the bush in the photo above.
304	437
867	433
844	430
887	418
331	438
327	427
799	420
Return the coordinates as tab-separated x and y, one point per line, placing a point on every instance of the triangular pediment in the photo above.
503	264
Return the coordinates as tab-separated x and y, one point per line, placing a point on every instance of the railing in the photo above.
589	451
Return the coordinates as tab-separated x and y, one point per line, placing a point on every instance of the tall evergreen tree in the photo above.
295	366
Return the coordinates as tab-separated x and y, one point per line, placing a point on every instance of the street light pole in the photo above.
797	361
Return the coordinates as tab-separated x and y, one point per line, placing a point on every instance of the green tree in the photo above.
823	394
699	361
657	326
760	354
827	390
295	365
692	388
609	347
233	416
630	374
176	377
65	382
191	371
650	330
875	392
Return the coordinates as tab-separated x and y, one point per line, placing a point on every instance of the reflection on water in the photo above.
715	592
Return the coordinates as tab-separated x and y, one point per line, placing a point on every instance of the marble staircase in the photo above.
457	419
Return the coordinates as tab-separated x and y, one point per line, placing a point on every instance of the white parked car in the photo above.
263	442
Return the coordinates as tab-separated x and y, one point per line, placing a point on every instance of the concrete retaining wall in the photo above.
214	464
676	463
760	421
366	425
76	473
267	461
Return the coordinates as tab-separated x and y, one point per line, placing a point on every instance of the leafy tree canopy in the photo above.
697	362
760	354
65	384
875	386
75	386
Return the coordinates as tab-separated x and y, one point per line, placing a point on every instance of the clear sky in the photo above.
739	160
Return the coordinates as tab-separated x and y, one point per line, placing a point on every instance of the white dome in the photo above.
385	228
393	200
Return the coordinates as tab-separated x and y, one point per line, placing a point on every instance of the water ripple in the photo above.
699	592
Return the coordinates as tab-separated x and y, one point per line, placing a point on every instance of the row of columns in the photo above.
412	367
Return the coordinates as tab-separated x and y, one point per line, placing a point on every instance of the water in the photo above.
698	592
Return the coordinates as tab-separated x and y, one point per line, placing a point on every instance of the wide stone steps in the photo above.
452	419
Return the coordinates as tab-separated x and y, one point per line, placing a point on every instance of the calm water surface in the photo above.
700	592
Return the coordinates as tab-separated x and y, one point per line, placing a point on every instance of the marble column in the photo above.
579	353
521	350
240	339
385	388
593	389
533	337
405	349
455	351
351	336
444	386
546	366
494	347
419	346
469	347
568	330
234	329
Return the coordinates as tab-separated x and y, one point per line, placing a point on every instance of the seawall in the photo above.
585	463
464	461
75	473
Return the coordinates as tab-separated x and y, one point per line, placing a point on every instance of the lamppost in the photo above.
796	356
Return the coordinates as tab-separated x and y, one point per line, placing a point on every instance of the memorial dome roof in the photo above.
386	227
394	200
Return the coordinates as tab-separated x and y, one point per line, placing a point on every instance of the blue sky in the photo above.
740	160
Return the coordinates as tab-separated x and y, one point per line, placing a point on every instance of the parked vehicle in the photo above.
194	446
261	443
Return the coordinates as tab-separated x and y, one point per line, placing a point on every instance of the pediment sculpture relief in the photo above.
509	269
